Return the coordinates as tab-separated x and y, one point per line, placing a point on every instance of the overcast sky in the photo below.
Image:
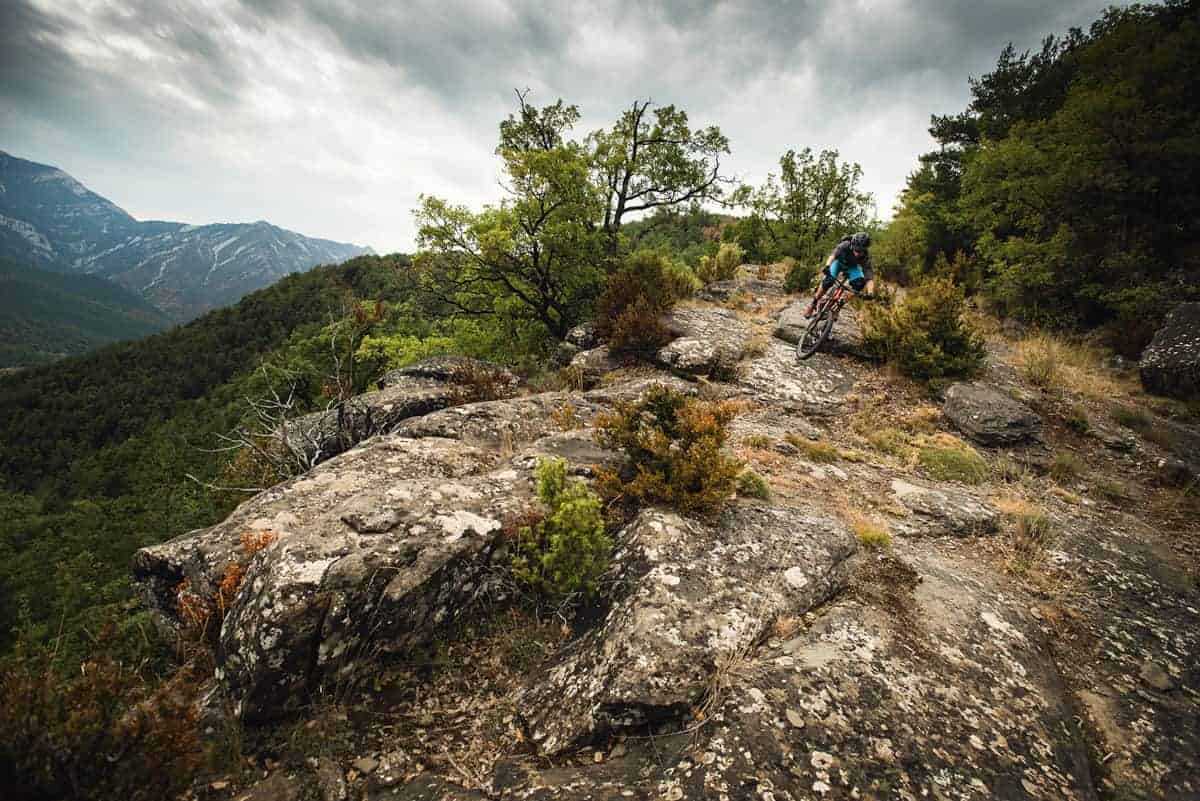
330	117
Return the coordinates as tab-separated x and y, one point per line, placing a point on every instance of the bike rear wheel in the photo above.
816	333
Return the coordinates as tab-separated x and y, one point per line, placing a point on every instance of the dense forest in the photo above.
1065	196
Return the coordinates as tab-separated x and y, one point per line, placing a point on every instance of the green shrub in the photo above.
1077	419
638	331
925	336
564	552
723	265
1066	466
675	448
889	440
800	275
751	485
949	459
628	310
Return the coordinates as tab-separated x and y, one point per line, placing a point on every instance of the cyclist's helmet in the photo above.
860	241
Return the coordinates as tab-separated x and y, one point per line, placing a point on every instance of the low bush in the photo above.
1066	467
948	458
563	552
751	485
890	441
99	731
925	336
800	275
629	310
723	265
675	448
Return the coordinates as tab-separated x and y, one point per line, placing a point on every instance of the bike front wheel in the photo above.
816	333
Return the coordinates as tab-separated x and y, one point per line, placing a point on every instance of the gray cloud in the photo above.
332	118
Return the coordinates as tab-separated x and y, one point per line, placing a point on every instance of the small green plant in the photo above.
947	458
925	336
565	552
1066	467
1110	490
675	445
723	265
890	441
871	535
813	450
1077	419
751	485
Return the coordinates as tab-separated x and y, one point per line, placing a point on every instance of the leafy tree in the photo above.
536	254
814	201
652	159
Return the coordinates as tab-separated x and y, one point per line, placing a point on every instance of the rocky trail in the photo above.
1029	633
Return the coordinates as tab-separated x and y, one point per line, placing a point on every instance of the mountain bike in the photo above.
825	315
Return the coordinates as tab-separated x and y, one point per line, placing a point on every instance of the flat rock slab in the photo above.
816	386
698	594
989	416
512	420
721	291
846	337
708	341
452	370
374	551
943	511
1170	365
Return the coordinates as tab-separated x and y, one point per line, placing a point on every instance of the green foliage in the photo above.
925	336
1071	176
723	265
800	275
675	447
689	234
629	311
751	485
45	316
638	332
804	211
653	159
565	552
949	459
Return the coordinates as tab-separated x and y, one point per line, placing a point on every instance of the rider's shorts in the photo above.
857	278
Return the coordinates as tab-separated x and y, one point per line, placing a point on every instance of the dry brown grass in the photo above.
1058	365
871	534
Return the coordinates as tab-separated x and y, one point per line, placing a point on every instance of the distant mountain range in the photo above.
50	220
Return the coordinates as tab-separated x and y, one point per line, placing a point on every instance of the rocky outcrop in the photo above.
942	512
699	595
988	416
512	421
721	291
817	386
709	341
373	551
407	392
846	337
593	365
1170	365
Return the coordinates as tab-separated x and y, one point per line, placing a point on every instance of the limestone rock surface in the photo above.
1170	365
698	594
942	511
988	416
846	337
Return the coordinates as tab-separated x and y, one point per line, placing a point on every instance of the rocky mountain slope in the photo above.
50	220
1030	632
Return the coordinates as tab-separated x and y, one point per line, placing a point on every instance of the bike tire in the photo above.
816	333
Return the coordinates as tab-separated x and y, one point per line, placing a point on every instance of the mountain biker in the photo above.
851	256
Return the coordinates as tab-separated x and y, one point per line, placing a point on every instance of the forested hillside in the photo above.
45	316
95	450
1067	193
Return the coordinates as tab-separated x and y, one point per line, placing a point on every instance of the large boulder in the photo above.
709	341
593	365
1170	365
698	594
372	551
988	416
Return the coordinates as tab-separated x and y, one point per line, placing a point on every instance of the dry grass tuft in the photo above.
1058	365
872	534
814	450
